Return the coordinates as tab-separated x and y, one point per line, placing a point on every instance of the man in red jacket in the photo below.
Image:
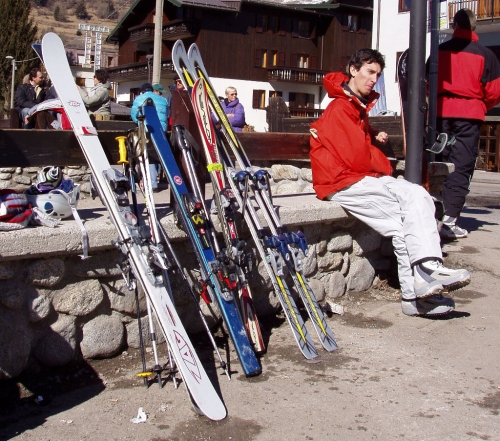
468	85
349	170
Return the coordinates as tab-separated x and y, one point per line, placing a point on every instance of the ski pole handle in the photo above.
122	149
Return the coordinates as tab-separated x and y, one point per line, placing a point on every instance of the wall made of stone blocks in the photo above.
55	309
20	179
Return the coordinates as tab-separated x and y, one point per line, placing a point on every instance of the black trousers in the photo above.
463	154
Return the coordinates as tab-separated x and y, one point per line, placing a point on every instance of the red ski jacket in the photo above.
341	149
468	77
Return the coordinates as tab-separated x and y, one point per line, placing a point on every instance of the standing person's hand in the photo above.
382	137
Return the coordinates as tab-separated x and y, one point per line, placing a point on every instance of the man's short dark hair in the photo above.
363	56
465	19
33	72
102	76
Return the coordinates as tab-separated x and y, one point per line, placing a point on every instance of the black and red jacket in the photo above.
468	78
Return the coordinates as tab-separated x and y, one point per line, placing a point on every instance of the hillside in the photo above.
42	12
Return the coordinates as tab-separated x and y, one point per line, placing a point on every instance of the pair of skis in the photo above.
142	254
191	214
277	248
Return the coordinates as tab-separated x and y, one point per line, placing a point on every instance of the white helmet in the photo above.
57	203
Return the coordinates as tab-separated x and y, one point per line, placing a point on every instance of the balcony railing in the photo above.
179	29
142	33
306	112
137	71
296	75
172	30
484	9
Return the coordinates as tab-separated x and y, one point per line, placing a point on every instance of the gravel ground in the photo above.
393	377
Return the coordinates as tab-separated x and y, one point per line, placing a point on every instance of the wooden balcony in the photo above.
143	33
295	75
179	29
172	30
137	71
484	9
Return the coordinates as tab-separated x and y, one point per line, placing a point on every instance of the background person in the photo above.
176	86
349	170
234	109
468	85
158	89
161	105
29	95
97	98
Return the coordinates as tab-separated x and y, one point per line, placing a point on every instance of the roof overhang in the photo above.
229	5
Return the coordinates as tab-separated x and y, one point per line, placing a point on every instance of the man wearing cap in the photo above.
158	89
161	105
468	85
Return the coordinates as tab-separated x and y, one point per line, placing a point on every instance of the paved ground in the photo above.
393	378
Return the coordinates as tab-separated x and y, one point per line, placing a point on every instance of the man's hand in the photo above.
382	137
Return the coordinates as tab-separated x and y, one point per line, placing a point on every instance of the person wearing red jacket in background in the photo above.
468	85
349	170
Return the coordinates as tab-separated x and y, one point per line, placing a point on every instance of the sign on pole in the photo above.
98	30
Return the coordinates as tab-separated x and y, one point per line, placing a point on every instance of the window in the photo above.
261	24
404	5
301	100
275	93
136	91
259	99
304	30
352	23
301	28
299	60
273	58
260	58
274	25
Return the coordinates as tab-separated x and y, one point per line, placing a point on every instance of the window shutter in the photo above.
258	58
285	25
292	99
313	62
293	60
344	23
281	59
258	23
255	99
295	28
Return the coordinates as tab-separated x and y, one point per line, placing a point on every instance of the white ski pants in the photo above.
399	209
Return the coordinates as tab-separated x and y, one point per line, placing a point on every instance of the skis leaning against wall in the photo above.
143	261
193	219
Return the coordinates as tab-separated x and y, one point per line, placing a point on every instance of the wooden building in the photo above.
264	48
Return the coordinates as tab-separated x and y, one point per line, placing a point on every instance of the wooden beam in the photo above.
36	148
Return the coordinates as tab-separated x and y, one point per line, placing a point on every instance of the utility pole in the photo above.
13	82
157	41
416	93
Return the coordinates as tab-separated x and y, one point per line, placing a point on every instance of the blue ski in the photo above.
193	221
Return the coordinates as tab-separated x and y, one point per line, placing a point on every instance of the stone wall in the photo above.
20	179
55	307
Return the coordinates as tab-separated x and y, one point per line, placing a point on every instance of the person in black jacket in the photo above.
29	95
